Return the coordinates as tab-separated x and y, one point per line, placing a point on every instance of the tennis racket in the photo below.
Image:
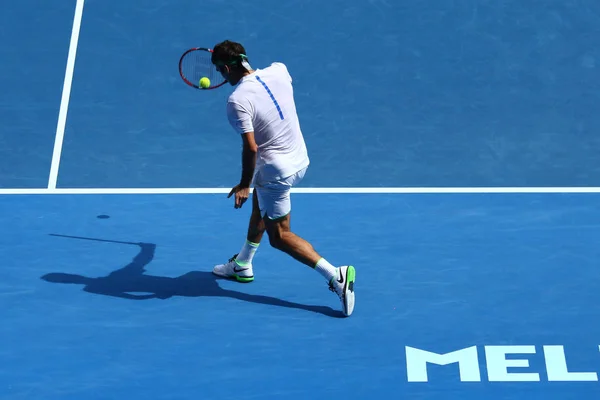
195	64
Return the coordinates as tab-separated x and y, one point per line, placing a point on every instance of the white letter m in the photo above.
468	363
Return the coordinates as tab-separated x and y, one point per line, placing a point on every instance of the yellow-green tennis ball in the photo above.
204	82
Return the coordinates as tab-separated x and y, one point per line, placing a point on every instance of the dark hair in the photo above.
229	53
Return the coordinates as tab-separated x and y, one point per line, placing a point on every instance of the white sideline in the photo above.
66	94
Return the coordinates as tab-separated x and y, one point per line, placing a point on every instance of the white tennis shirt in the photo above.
263	103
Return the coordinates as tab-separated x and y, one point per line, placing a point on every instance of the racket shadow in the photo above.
133	283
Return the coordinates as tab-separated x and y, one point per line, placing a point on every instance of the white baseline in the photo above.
309	190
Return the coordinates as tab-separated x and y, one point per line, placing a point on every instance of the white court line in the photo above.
66	94
341	190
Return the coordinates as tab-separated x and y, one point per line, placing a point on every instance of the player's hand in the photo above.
241	195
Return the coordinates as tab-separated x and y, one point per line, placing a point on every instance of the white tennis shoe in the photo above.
233	270
343	285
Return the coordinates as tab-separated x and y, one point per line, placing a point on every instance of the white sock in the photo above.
327	270
246	255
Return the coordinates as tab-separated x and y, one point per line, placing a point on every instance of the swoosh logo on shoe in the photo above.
235	269
341	278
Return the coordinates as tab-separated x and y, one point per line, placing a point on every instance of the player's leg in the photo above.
256	229
276	209
341	279
256	226
282	238
239	267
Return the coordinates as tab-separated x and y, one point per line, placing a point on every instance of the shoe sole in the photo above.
349	291
235	277
243	279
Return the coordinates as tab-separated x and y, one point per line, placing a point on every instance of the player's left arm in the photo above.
249	151
241	120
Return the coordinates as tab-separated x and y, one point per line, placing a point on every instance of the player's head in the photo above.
231	61
59	277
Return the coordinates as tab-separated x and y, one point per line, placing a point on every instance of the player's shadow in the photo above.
131	282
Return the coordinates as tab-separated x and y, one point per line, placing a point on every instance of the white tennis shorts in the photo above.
274	197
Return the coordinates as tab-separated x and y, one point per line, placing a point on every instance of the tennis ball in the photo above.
204	82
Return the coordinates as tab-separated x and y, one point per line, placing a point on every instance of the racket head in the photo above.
195	63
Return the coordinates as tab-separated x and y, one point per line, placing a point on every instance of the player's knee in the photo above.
276	239
278	230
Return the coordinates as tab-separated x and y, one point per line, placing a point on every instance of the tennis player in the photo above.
262	111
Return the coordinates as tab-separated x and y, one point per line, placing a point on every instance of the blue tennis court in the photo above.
454	163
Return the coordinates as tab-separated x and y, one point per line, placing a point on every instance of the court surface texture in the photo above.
454	162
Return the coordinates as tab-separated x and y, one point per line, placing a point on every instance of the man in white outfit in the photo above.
262	111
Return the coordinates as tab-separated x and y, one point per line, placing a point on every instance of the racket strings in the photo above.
197	64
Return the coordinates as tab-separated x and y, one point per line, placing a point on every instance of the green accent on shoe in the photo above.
243	279
351	275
